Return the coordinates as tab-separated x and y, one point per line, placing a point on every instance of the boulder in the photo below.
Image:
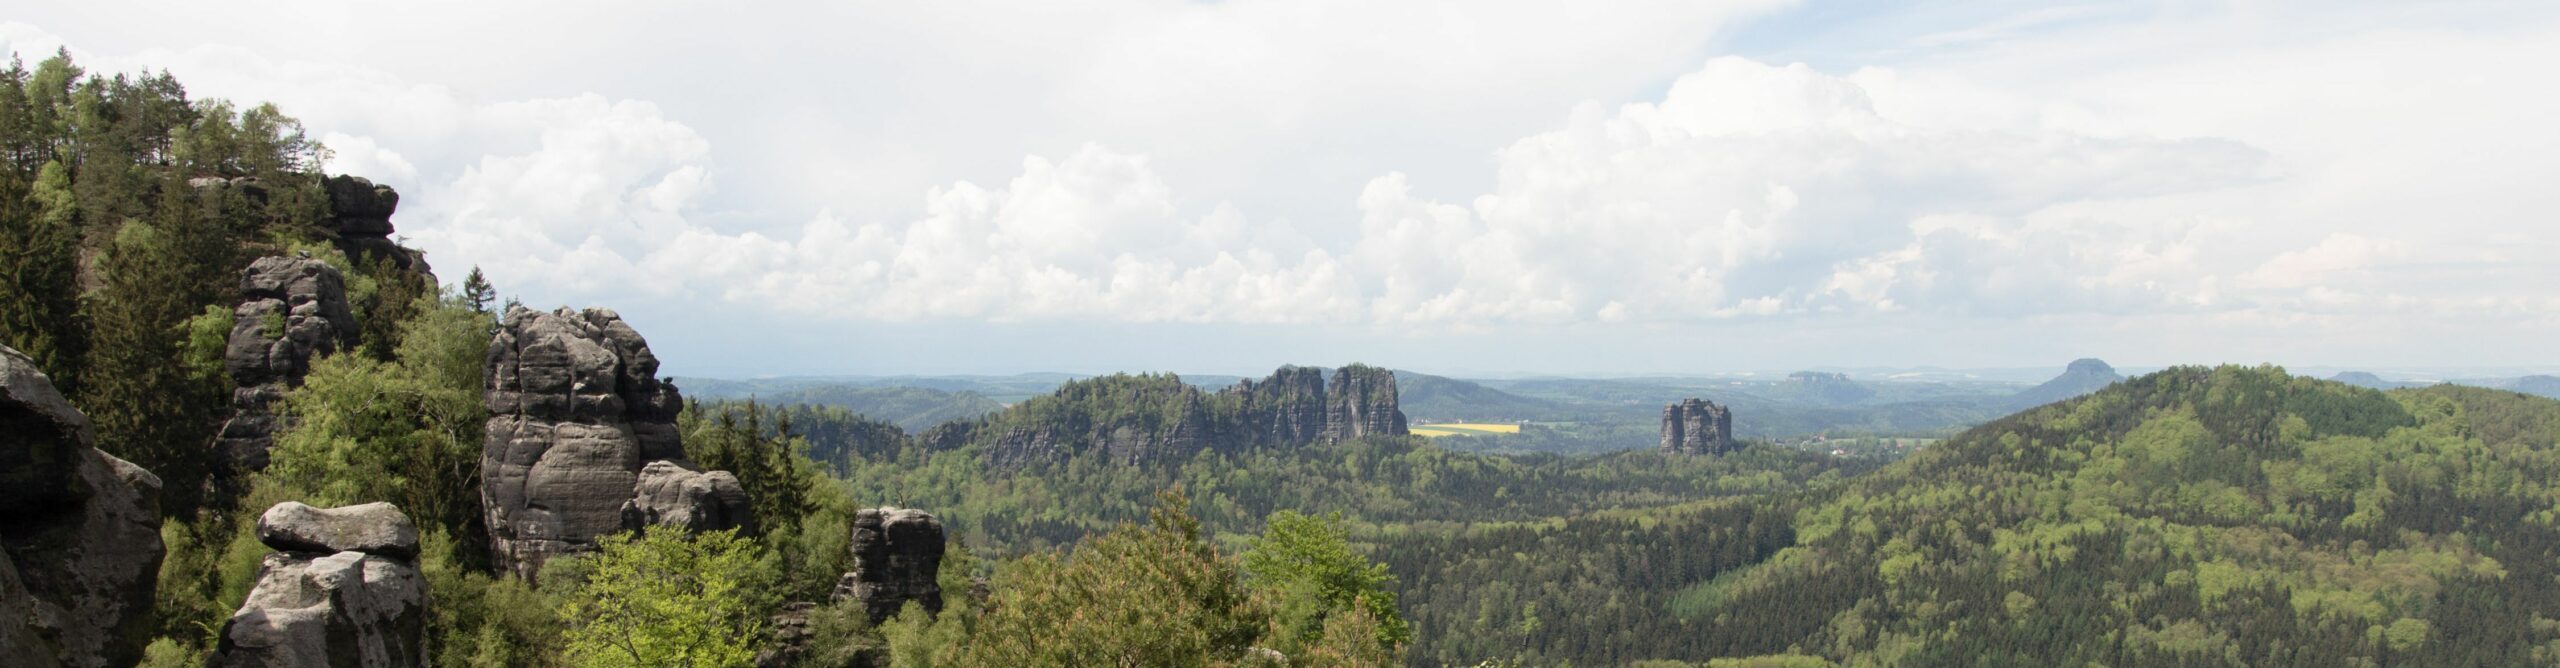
79	533
897	558
669	494
316	605
577	414
374	528
1697	427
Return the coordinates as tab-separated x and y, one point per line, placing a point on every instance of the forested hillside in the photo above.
2226	516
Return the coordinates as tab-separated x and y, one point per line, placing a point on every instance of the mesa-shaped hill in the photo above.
2367	379
1439	398
2083	376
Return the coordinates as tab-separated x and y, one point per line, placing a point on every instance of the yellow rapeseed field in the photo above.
1464	429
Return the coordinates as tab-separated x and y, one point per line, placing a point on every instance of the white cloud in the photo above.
1407	168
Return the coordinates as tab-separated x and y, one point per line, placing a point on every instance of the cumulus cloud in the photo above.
1743	191
1753	189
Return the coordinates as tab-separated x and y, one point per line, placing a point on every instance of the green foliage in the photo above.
1308	564
477	292
663	598
767	460
406	431
39	261
1153	595
208	339
150	406
480	621
2229	516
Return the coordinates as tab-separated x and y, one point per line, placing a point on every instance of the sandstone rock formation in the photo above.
577	414
670	494
1138	419
79	533
342	590
1361	401
371	528
1295	405
897	558
360	222
292	309
1697	427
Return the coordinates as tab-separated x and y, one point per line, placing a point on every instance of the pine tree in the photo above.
39	246
148	407
475	289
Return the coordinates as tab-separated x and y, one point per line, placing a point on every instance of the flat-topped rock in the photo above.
372	528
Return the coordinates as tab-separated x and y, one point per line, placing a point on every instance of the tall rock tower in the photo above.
582	441
1697	427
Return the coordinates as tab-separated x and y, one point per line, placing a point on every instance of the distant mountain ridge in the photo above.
2083	376
2367	379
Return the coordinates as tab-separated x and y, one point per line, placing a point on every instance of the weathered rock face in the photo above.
371	528
342	591
79	533
360	222
1134	420
1697	427
1288	407
292	310
897	558
669	494
1361	401
1295	406
577	413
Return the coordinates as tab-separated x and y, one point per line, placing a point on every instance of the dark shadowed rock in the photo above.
360	222
2082	377
1288	407
669	494
331	608
897	558
292	310
1697	427
372	528
79	533
576	414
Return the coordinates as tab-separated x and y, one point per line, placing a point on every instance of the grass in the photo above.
1464	429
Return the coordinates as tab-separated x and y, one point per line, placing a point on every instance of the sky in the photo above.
1477	188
